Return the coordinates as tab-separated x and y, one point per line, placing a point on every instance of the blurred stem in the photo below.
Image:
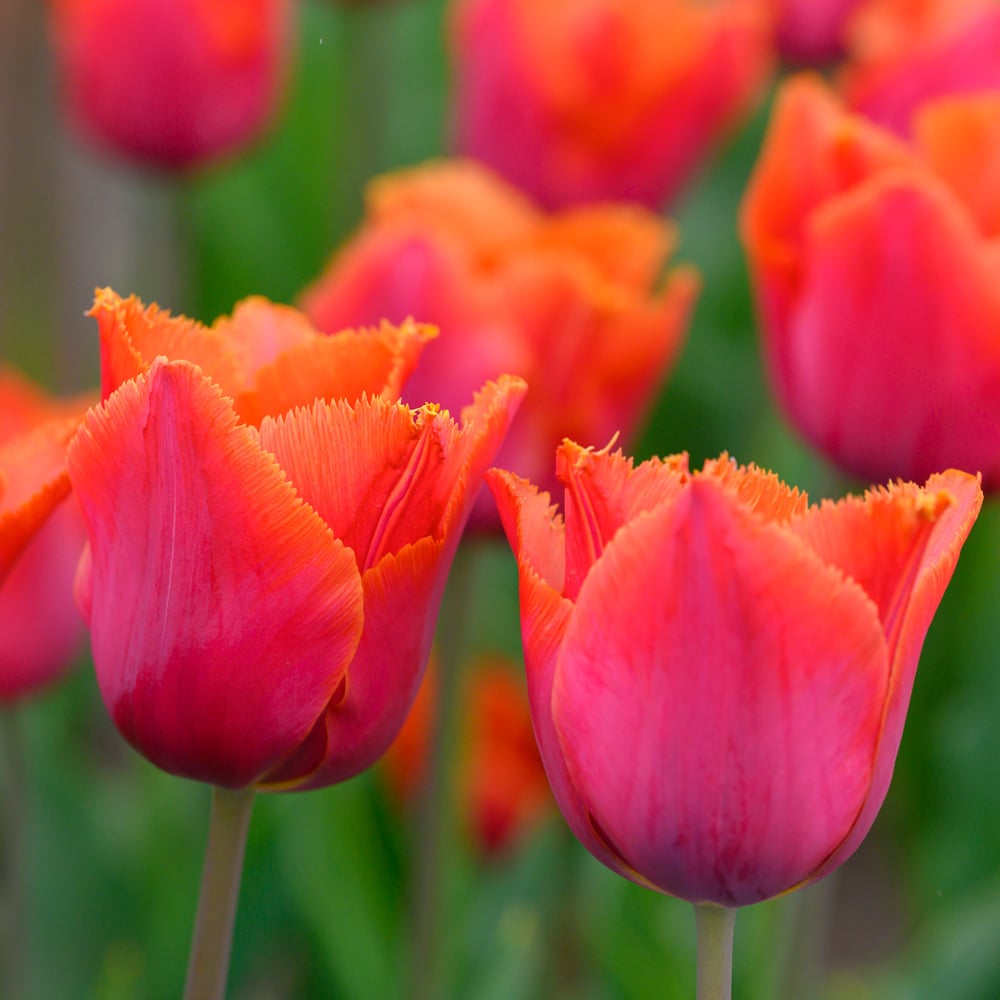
436	807
208	965
13	918
715	950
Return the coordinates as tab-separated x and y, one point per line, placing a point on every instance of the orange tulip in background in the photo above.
603	100
503	791
878	282
573	302
172	82
263	574
41	537
718	672
905	53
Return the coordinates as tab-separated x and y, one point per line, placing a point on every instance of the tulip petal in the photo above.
536	535
901	545
132	336
401	594
223	611
857	319
723	735
33	482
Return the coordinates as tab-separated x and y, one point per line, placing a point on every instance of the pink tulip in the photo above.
603	100
719	672
172	82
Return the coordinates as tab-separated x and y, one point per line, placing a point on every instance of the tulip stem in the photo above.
208	965
715	950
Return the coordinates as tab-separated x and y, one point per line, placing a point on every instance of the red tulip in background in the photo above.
503	790
172	82
905	53
718	672
262	598
812	31
41	537
603	100
878	282
572	302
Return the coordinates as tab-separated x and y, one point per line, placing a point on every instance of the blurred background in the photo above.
334	889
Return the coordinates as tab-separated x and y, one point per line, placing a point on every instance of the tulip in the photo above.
718	672
876	277
41	538
904	55
812	31
572	302
603	100
261	600
172	83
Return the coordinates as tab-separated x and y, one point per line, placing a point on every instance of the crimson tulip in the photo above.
812	31
719	672
876	276
262	599
603	100
41	537
572	301
172	82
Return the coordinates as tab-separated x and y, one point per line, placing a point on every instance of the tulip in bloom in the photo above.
603	100
877	277
263	576
907	53
573	302
41	537
719	672
812	31
172	82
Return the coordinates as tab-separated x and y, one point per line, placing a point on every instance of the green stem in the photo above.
208	965
435	832
13	917
715	950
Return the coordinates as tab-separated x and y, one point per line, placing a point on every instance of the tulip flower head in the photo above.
172	83
718	672
603	100
41	537
573	302
875	272
812	31
262	595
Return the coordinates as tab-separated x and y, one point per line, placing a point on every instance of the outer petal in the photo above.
223	611
536	537
39	623
718	698
401	594
901	545
864	349
33	482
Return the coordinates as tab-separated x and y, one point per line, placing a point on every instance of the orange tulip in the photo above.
172	82
906	53
41	537
262	598
603	100
718	672
573	302
876	274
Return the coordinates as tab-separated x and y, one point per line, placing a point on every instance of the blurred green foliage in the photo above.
327	900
